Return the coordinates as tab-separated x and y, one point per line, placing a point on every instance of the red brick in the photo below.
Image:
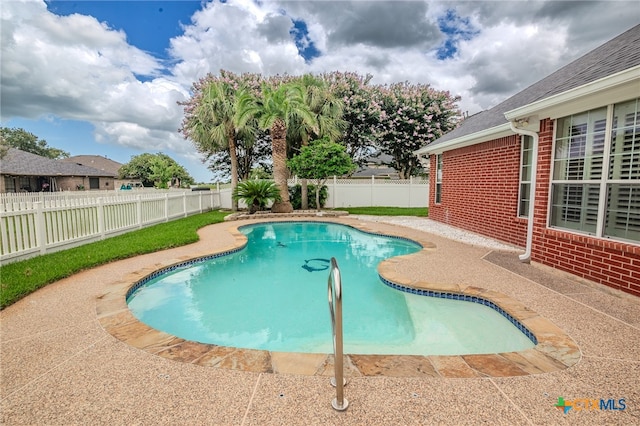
622	271
597	264
480	191
619	282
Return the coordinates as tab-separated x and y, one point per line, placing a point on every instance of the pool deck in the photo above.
71	353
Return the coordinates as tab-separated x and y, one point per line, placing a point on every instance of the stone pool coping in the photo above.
554	351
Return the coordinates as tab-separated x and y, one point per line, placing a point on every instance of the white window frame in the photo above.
603	182
439	167
524	214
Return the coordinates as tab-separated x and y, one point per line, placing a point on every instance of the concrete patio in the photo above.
66	359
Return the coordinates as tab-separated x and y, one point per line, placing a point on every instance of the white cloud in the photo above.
78	68
65	63
140	137
504	59
232	36
152	104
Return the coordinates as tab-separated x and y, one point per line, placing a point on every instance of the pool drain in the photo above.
315	265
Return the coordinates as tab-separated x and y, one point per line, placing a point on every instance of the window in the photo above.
622	218
9	184
25	184
438	178
584	196
94	183
526	159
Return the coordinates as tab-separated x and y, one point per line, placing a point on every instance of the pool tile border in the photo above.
464	298
176	266
554	349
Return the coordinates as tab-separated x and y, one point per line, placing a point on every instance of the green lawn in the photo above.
18	279
21	278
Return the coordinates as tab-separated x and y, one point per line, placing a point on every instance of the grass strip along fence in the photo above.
22	278
19	279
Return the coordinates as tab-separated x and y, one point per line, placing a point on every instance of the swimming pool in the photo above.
271	295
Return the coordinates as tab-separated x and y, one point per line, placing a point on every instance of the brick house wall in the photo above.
609	262
480	194
480	190
19	183
70	183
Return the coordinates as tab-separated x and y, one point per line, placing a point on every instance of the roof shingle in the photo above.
96	161
21	163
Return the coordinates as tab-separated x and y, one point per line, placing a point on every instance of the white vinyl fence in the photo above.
378	192
38	223
369	192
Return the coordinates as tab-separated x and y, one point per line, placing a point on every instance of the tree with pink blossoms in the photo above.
361	112
395	119
413	115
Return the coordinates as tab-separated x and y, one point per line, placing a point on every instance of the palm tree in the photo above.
211	126
328	113
278	108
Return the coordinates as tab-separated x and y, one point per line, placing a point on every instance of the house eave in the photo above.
614	88
611	89
467	140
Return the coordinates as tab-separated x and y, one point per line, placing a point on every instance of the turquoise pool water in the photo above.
272	295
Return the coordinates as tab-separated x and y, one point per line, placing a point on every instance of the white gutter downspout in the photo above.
526	256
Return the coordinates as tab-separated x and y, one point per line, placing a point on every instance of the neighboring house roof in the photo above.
96	161
21	163
379	158
616	56
376	166
375	171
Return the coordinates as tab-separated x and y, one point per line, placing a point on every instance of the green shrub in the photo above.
257	194
295	196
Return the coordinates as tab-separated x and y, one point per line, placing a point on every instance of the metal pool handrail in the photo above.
339	403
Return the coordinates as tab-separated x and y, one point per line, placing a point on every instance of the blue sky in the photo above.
104	78
149	25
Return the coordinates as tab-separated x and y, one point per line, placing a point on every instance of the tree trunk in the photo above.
318	187
304	194
304	189
319	184
233	155
280	174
